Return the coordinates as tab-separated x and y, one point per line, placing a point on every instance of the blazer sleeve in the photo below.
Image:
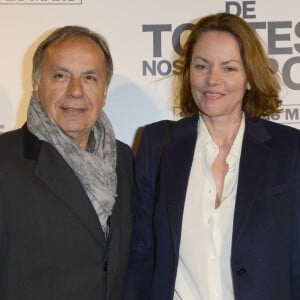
3	243
295	248
141	261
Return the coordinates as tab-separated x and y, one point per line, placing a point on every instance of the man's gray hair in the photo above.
63	33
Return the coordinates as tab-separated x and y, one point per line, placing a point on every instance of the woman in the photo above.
224	220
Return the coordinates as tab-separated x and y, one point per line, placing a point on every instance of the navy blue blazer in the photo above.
265	257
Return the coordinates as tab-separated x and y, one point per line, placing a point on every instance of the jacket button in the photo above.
241	271
105	266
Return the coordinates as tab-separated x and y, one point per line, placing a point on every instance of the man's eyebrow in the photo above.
59	68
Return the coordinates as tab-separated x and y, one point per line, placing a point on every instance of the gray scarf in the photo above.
96	169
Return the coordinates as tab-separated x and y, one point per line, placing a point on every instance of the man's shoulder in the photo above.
125	157
123	148
11	135
10	140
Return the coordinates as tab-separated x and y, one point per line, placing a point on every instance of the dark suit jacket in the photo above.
265	257
51	243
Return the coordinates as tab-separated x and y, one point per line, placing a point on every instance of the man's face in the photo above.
72	86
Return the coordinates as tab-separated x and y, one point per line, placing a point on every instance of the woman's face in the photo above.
217	75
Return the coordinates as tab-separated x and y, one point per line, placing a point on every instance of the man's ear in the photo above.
105	95
35	88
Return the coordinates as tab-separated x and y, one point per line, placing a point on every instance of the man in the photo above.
65	181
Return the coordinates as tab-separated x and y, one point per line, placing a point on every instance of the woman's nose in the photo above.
214	76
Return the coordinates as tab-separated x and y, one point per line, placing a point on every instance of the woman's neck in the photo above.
223	130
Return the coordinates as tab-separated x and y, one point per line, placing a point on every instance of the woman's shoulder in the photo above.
161	126
158	126
277	132
280	128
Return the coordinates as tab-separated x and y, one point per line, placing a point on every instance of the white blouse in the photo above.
204	271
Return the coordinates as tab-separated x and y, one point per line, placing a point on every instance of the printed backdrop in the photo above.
145	38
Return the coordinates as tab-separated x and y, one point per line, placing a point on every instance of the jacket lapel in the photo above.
61	180
179	157
178	161
254	156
